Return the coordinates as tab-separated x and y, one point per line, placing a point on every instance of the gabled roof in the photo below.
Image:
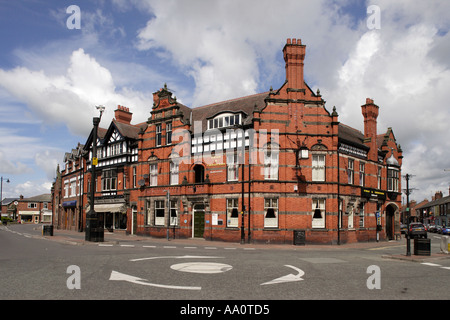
7	201
101	132
75	153
126	130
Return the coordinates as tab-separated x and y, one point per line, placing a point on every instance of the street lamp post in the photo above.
408	237
94	229
1	194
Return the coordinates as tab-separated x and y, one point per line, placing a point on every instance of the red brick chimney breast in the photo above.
294	55
370	113
123	114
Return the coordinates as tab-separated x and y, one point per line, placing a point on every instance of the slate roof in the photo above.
434	203
127	130
351	136
244	105
46	197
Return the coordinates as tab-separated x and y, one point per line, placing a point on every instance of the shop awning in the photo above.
109	207
28	213
72	203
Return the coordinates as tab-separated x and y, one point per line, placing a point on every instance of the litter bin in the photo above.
299	237
422	247
47	230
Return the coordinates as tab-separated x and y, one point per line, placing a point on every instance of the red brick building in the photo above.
261	168
116	179
266	165
67	192
36	209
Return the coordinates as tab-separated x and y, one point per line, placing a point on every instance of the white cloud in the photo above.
70	98
29	189
47	161
10	165
222	44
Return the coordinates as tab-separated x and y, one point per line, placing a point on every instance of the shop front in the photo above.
113	215
29	216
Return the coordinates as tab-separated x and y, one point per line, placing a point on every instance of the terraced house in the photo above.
273	167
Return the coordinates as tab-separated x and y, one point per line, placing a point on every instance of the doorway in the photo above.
199	220
390	214
133	220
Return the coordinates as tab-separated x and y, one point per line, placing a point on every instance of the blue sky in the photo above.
51	77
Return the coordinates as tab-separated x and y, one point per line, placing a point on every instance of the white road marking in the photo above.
176	257
201	267
288	278
117	276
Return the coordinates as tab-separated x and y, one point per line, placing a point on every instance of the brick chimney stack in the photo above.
294	55
123	114
370	113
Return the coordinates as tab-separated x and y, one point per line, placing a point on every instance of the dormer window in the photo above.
225	120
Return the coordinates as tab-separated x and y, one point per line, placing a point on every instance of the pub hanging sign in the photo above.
373	193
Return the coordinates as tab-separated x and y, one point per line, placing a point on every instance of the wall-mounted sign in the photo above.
373	193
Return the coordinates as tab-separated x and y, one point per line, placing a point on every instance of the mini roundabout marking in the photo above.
196	267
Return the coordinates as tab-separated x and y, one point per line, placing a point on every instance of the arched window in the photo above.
199	173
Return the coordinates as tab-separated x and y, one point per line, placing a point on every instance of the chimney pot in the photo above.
123	114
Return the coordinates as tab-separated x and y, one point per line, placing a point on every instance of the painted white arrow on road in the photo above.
288	278
117	276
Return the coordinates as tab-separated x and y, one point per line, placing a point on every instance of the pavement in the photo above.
121	238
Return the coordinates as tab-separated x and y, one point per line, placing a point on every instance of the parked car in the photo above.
403	228
417	229
446	230
432	228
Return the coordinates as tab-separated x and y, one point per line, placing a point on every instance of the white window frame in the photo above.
159	208
361	214
392	179
271	161
158	137
362	173
318	167
351	171
153	174
32	205
379	177
168	133
73	188
225	120
109	180
232	167
270	206
173	212
232	207
66	189
174	170
318	222
350	222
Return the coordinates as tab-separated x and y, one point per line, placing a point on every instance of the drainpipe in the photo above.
339	198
